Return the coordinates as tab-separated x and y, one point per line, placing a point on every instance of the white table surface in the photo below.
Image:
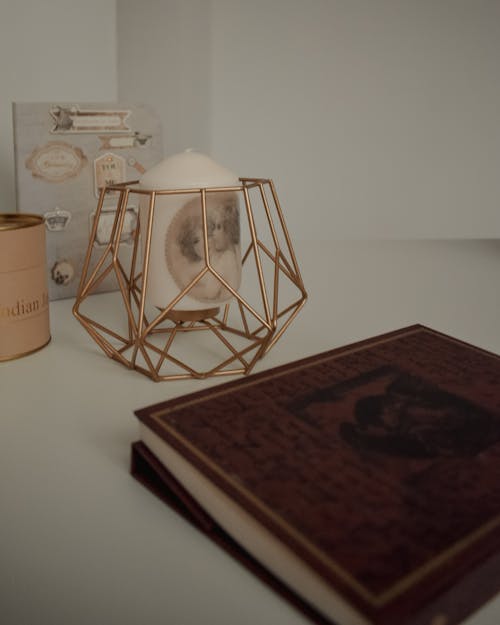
82	543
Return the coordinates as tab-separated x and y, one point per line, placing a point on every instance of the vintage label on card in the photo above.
56	161
72	119
57	220
136	165
117	142
106	224
62	272
108	169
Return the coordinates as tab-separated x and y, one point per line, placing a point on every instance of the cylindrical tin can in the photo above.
24	299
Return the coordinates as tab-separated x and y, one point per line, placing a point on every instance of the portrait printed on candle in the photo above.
185	247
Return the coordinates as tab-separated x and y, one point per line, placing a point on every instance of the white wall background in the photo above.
164	59
50	51
374	117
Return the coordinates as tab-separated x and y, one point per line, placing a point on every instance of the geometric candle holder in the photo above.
169	341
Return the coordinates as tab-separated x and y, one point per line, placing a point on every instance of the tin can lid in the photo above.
14	221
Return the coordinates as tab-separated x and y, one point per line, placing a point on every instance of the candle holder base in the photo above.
185	316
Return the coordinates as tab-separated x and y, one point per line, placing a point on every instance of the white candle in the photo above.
177	248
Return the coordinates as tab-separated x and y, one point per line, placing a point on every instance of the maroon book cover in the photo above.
377	463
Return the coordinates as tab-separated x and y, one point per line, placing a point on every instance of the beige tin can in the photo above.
24	299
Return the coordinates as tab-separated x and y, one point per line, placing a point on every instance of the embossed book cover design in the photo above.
378	464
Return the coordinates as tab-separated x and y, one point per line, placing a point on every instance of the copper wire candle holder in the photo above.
230	338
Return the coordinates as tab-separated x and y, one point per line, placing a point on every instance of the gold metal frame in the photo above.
241	331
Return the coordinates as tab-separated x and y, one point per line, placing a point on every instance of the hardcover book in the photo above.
361	483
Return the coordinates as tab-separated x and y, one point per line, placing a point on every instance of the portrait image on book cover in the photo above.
398	424
185	247
400	414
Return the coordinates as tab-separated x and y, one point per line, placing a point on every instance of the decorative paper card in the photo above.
64	153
